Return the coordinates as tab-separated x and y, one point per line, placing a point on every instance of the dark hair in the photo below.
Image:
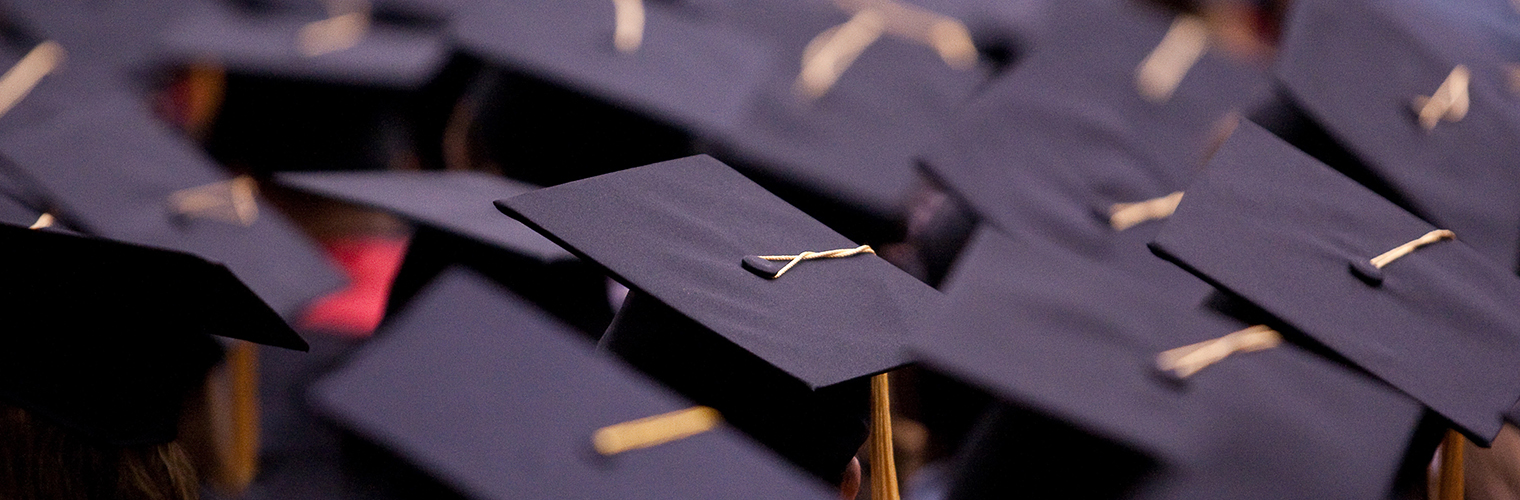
40	460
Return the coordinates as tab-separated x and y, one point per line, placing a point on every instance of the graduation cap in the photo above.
1413	100
336	84
1071	343
124	331
585	88
93	157
121	37
784	358
457	225
1069	135
1390	292
483	391
854	94
341	45
645	56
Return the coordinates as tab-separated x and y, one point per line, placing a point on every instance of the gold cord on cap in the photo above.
830	53
1162	70
828	254
346	24
654	430
628	28
234	201
1189	359
1405	249
1126	215
19	81
1449	102
883	466
45	220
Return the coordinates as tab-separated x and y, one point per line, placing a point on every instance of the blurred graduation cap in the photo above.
127	331
1356	273
319	85
1071	343
586	88
336	42
483	391
784	358
89	154
858	88
121	37
1415	101
1073	130
458	225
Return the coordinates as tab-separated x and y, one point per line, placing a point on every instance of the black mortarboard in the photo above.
289	43
459	226
1073	340
120	334
1353	75
1067	134
484	392
785	358
682	70
319	85
1308	245
567	103
98	161
844	151
118	36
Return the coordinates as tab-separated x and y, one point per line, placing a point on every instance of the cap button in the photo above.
1365	271
762	267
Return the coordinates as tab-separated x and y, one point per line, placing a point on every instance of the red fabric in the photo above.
371	263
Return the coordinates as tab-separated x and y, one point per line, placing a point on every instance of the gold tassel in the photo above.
1449	102
233	201
19	81
655	430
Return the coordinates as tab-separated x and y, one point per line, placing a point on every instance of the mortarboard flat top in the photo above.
126	335
458	202
1075	338
1293	237
265	44
678	230
106	167
855	143
1357	67
1065	135
460	226
496	399
687	72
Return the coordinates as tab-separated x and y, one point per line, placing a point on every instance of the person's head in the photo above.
40	460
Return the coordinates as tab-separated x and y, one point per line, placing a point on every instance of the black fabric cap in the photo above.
120	333
850	150
785	359
266	43
1073	339
1065	135
686	71
1293	237
106	167
492	397
462	227
1355	68
678	231
457	202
